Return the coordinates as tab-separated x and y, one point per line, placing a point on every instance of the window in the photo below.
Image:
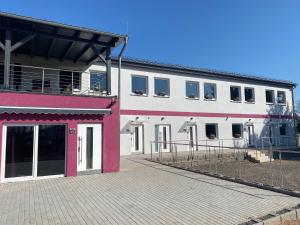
235	93
282	129
269	96
281	99
139	85
210	91
161	87
237	130
98	81
249	95
192	89
211	131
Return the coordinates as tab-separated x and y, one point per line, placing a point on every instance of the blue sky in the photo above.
260	37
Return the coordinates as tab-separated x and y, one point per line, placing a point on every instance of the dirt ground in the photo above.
283	174
291	222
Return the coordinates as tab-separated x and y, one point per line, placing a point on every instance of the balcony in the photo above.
51	81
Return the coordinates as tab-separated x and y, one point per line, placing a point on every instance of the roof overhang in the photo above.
55	40
58	111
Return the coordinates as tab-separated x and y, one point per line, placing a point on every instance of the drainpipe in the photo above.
294	118
119	72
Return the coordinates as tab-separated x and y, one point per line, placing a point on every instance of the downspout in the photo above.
119	69
294	118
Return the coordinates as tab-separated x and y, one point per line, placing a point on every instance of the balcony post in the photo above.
7	56
43	80
108	71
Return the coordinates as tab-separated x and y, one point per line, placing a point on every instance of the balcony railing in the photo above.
53	81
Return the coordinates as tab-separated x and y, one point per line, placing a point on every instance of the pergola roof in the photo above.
55	40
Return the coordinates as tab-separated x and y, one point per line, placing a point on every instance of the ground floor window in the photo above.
237	130
211	131
283	129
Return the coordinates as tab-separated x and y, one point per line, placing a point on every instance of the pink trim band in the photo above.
201	114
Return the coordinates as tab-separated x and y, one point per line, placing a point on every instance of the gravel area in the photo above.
284	173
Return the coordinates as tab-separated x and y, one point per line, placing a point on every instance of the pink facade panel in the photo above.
110	123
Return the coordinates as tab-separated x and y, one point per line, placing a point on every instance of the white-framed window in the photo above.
270	96
210	91
249	95
192	89
281	98
162	87
98	81
139	85
211	130
237	130
235	93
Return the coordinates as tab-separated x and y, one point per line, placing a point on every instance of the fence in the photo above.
272	166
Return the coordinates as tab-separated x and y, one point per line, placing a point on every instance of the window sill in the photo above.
191	98
282	104
143	95
235	101
210	100
269	103
249	102
158	96
237	138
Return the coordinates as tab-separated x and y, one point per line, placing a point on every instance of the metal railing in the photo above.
53	81
271	166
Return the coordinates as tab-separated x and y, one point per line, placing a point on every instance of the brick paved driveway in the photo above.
142	193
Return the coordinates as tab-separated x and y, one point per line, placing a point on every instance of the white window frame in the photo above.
147	86
198	89
253	95
169	89
215	91
240	93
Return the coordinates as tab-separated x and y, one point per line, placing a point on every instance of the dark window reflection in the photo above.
19	151
51	150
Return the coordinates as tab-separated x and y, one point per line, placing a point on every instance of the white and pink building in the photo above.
67	107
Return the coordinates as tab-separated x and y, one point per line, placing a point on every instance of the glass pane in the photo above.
237	130
89	148
162	87
249	94
139	85
235	94
98	82
51	150
269	96
211	131
209	91
19	151
192	89
136	138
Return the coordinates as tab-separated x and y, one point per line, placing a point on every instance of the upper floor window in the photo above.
281	99
192	89
161	87
249	95
237	130
210	91
139	85
98	81
269	96
235	93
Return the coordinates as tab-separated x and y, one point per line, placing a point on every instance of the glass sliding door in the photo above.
51	150
19	151
33	151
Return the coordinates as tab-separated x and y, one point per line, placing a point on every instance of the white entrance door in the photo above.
192	137
89	146
137	140
163	137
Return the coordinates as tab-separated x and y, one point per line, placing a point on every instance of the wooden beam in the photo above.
23	41
81	53
2	46
7	55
